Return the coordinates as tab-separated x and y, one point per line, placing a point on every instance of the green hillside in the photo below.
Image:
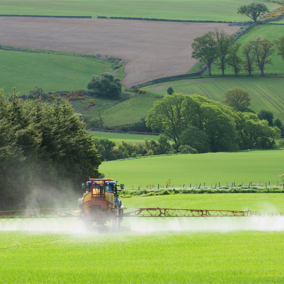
52	72
118	112
253	166
225	10
266	93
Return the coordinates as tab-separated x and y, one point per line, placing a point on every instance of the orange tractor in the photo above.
101	203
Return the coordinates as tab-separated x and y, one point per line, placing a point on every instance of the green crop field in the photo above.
151	250
224	10
265	93
252	166
52	72
167	257
270	32
118	137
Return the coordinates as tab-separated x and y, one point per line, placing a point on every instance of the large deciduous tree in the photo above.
263	53
205	48
249	52
253	11
234	59
237	98
224	43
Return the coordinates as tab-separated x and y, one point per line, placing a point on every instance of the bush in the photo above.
105	86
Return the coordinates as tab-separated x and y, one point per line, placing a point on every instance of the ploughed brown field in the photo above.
152	49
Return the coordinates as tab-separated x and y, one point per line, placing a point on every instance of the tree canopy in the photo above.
206	49
105	85
42	146
237	98
206	125
253	11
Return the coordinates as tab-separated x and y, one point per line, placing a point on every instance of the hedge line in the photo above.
45	16
164	20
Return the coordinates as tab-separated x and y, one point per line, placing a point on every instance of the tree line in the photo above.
43	146
220	49
208	126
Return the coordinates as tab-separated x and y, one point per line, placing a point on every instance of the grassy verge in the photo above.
171	9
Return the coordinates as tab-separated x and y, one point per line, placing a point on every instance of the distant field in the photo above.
118	137
266	93
253	166
171	9
270	32
25	70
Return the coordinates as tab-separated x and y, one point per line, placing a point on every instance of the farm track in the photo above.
152	49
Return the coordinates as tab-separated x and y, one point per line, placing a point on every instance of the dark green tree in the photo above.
205	48
105	85
253	11
170	90
266	115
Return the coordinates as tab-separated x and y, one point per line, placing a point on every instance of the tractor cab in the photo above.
101	200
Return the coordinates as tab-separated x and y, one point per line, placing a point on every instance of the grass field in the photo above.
52	72
171	9
265	93
253	166
118	137
270	32
236	257
260	202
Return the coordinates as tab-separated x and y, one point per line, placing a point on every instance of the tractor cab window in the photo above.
108	188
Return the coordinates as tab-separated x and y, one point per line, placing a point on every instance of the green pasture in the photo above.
52	72
225	10
258	202
209	168
270	32
265	93
168	257
119	137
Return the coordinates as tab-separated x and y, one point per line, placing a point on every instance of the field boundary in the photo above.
47	16
162	20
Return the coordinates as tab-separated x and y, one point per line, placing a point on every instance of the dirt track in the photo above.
152	49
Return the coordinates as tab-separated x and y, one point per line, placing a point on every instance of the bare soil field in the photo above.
152	49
